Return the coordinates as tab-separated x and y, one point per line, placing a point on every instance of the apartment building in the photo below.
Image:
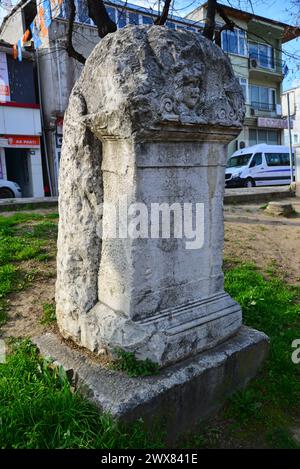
255	51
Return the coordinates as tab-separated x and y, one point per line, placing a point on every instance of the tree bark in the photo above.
164	14
98	13
70	48
210	21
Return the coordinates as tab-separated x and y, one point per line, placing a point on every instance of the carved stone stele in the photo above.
164	105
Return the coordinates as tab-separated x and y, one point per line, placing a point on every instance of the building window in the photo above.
170	25
121	18
262	98
82	12
296	138
244	85
234	42
262	53
270	137
133	18
111	13
147	20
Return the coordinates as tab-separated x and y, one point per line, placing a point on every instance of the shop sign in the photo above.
272	123
20	141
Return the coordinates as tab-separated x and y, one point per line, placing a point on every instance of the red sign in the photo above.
22	141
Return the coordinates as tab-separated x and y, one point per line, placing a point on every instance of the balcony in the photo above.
258	71
265	107
261	109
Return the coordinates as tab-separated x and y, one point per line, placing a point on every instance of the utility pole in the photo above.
290	137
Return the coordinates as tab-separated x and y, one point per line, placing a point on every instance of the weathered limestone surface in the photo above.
164	104
180	396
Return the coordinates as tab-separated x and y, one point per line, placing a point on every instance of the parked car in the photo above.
9	189
259	165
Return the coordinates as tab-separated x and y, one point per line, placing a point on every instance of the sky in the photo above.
281	10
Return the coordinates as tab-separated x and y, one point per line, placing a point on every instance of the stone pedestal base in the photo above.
180	395
166	337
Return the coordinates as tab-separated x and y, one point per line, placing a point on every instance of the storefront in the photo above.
20	161
20	125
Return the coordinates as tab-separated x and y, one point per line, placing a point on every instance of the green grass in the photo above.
266	409
39	410
49	316
127	362
23	237
25	207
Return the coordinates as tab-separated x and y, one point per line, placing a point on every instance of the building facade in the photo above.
294	98
254	50
294	112
20	124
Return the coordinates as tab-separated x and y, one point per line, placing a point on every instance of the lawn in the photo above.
39	409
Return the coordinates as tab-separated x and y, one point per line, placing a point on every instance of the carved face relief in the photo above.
190	94
187	90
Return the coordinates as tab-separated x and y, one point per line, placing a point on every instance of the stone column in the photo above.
164	104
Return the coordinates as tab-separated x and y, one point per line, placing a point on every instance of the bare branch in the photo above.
229	25
69	47
98	13
224	17
160	21
218	33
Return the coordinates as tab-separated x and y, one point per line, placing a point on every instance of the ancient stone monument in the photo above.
146	129
164	104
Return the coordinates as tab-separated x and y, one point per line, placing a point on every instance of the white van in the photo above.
260	165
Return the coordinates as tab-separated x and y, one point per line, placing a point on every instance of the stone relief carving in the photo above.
140	94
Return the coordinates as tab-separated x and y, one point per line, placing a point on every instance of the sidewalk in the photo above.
257	194
232	196
27	203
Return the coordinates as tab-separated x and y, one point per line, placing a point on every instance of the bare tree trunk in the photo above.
98	13
164	14
210	22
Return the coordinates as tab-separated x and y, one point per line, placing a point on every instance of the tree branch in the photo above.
210	20
230	24
218	34
69	47
160	21
99	15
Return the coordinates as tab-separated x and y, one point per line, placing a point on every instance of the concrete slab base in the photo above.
180	396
